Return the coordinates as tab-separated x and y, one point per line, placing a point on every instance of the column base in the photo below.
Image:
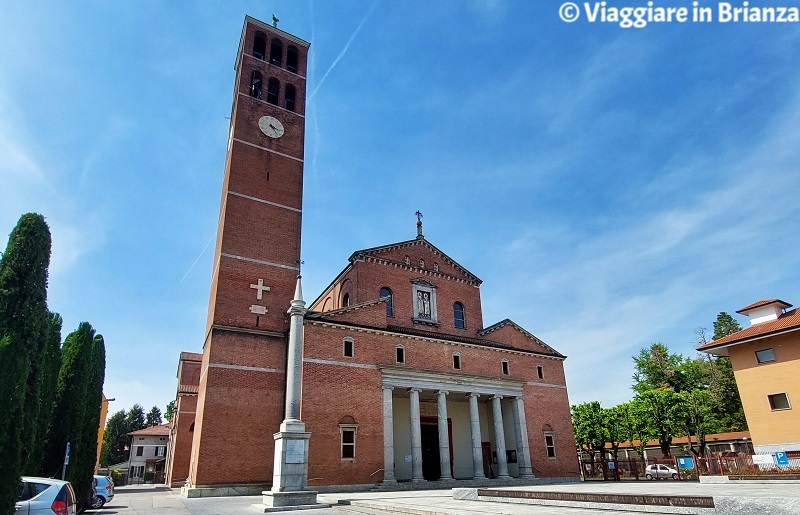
389	481
284	501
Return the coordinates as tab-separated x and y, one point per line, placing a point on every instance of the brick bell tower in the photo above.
256	263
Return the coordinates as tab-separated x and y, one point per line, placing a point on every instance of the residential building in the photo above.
766	364
148	454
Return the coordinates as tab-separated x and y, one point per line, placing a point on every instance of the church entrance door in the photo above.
430	451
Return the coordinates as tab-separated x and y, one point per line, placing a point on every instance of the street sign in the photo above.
763	459
611	465
66	455
685	462
782	459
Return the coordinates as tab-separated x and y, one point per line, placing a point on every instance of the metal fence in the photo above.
684	468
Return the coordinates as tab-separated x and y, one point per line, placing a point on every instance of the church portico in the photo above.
445	426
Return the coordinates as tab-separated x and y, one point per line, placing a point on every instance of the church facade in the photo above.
401	379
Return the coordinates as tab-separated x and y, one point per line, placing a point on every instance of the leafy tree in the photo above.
661	410
613	422
720	378
655	368
135	418
696	409
590	433
115	439
168	413
636	425
23	308
725	325
153	417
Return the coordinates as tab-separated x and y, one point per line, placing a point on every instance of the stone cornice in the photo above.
401	377
406	336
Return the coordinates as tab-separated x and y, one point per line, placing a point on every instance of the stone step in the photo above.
678	504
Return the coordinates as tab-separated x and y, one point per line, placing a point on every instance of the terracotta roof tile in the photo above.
161	430
683	440
764	302
786	321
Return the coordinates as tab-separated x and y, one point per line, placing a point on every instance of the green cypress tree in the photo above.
80	472
23	307
51	363
71	398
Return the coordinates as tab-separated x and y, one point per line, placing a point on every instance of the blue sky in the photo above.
612	187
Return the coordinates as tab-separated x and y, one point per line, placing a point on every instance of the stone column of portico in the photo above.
388	436
499	437
475	428
521	433
444	437
416	436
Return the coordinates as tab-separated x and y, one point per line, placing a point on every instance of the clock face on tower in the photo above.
271	126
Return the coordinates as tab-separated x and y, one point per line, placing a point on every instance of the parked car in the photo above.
660	472
103	491
40	496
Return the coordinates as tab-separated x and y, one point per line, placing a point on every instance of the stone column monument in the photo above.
290	469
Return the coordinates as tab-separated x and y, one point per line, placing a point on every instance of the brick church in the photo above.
401	379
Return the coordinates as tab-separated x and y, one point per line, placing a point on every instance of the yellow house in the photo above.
766	364
101	431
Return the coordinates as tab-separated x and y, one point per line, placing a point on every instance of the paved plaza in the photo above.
152	500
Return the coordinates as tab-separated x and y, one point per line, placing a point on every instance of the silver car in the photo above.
660	472
41	496
103	491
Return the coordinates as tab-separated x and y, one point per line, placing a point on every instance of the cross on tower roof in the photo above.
419	224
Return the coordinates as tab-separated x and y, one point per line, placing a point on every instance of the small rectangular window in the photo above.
505	368
456	361
401	355
348	348
348	443
765	355
778	401
550	444
540	371
139	450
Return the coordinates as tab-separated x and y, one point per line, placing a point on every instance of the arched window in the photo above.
276	52
346	300
422	263
387	293
255	84
273	88
288	101
291	59
259	46
436	267
458	315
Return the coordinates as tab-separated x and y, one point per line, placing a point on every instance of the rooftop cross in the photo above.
419	224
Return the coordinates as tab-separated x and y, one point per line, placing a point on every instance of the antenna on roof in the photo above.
419	224
275	21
